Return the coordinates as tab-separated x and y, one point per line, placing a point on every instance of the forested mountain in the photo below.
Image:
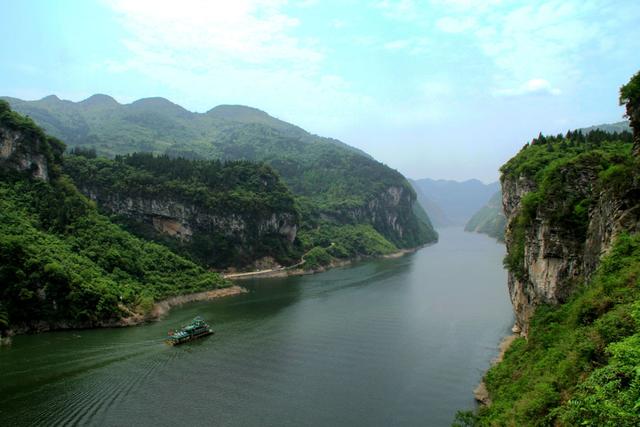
62	264
489	219
458	201
343	195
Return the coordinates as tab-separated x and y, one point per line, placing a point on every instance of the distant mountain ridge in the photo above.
75	121
622	126
434	212
452	202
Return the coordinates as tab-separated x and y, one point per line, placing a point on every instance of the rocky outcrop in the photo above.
557	258
181	220
23	154
190	223
390	212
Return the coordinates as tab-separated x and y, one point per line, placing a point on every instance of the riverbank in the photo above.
295	271
481	394
164	306
158	310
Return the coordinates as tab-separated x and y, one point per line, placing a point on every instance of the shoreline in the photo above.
160	309
480	393
289	271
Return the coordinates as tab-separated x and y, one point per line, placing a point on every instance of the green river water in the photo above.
393	342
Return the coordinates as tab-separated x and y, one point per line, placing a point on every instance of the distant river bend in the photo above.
399	342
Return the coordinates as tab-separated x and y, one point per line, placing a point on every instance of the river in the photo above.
391	342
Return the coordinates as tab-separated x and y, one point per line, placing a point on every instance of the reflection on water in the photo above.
389	342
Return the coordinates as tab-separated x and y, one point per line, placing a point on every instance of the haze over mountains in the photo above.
450	202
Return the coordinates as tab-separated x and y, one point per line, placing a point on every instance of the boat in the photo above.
198	328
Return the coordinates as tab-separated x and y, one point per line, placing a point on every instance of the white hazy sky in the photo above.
435	88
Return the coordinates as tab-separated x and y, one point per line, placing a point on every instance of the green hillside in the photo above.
63	264
489	219
335	185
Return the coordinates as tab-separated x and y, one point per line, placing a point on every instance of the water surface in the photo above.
390	342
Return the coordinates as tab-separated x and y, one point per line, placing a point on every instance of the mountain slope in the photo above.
335	185
457	200
434	212
62	264
489	219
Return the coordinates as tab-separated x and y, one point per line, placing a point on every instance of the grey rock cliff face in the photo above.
557	259
182	220
387	212
23	155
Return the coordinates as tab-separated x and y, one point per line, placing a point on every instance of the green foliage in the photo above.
346	241
489	219
535	157
33	139
630	92
316	257
579	365
60	261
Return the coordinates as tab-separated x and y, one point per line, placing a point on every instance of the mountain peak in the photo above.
51	98
237	113
99	100
158	104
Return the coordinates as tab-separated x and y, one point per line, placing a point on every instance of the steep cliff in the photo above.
221	214
563	215
24	147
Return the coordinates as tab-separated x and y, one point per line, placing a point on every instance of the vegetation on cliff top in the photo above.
235	189
557	165
33	136
61	262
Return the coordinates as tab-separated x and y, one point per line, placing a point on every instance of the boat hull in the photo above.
188	338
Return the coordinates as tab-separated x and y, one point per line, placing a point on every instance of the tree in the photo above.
630	98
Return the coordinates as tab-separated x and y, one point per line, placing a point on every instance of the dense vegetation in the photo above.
61	262
630	98
248	191
555	164
489	219
334	184
331	241
579	365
